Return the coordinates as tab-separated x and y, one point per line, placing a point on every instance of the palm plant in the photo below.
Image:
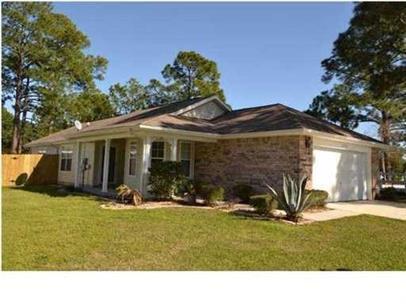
293	198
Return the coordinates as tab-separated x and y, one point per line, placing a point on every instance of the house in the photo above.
218	145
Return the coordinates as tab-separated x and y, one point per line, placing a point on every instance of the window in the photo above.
132	159
157	152
66	160
185	158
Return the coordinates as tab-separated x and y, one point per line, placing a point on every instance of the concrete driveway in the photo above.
378	208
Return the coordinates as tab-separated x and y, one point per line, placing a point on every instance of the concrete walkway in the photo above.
327	215
378	208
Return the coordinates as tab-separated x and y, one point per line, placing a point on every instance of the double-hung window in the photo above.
66	160
186	158
157	152
132	159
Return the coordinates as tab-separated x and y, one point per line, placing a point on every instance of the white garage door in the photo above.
342	173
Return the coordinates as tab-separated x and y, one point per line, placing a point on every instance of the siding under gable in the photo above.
209	110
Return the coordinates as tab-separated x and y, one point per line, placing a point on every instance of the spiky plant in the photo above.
293	198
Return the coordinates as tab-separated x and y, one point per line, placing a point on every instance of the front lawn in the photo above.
43	229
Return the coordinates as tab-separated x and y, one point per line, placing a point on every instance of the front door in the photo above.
112	164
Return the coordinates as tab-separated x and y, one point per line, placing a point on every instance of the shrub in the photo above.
200	187
317	198
165	178
212	194
188	190
389	194
244	192
263	203
293	198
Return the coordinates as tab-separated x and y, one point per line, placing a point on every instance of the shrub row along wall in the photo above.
254	161
30	169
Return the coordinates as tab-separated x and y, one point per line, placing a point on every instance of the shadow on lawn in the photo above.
246	214
337	269
56	191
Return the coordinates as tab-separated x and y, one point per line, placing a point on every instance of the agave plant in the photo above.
293	198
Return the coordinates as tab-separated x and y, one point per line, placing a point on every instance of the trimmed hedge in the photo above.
209	193
263	203
390	194
318	197
243	192
165	178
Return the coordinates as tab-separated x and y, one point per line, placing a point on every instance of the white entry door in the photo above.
342	173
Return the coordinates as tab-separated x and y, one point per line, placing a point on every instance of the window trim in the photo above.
191	157
164	150
132	144
66	151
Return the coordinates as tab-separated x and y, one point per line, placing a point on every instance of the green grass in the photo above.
44	230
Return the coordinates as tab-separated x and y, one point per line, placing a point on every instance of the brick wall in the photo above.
253	161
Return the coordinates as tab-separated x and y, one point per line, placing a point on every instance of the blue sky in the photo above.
266	52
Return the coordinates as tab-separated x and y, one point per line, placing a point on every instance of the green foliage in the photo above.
263	203
368	65
293	198
43	64
89	106
335	108
193	76
370	53
243	191
165	178
210	193
391	194
128	97
6	129
160	94
214	194
317	198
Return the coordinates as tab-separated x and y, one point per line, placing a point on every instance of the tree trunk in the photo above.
17	118
23	124
16	129
385	135
17	106
385	128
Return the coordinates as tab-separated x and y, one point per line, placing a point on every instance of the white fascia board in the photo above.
202	102
211	137
217	136
345	139
291	132
114	132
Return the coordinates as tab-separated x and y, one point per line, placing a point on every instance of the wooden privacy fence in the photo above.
29	169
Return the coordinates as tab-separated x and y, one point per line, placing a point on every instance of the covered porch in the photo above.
103	164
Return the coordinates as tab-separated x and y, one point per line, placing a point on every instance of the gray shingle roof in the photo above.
257	119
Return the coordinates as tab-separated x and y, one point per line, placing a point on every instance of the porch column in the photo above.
106	161
174	149
145	164
77	165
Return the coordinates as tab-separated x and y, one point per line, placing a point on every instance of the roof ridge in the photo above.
183	117
257	107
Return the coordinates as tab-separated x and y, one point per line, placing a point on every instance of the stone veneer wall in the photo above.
253	161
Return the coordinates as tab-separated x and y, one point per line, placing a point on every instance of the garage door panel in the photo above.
341	173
